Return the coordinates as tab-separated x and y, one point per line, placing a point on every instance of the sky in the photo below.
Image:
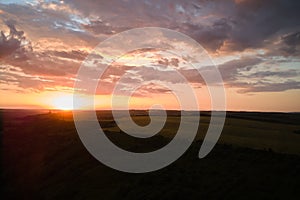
254	44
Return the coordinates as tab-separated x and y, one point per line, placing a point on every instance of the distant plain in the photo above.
257	156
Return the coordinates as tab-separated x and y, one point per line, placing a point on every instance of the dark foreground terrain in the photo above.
257	157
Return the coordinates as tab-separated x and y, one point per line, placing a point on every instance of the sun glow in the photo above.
63	102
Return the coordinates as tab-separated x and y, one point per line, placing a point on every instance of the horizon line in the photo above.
71	110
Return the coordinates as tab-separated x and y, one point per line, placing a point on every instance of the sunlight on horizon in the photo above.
63	102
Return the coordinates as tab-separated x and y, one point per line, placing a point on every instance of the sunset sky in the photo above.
254	43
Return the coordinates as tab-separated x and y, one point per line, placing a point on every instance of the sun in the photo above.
63	102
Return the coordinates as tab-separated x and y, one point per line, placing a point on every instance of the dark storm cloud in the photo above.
256	21
14	42
239	24
212	37
291	43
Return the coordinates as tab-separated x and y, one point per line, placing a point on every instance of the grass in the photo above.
43	158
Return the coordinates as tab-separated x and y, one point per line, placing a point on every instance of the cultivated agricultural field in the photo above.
257	157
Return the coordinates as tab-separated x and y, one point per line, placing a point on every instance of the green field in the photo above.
265	135
43	158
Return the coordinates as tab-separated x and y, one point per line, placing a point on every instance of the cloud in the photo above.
13	43
268	87
248	75
291	43
101	27
166	62
48	40
218	25
225	25
280	74
152	89
212	37
256	22
73	54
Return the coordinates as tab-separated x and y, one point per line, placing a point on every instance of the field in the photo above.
257	157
